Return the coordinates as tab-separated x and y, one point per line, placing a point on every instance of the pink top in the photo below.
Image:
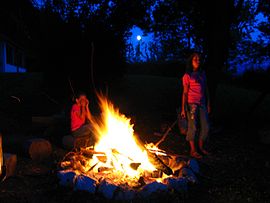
76	121
196	82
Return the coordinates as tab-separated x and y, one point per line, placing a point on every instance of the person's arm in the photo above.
208	99
184	100
88	115
207	95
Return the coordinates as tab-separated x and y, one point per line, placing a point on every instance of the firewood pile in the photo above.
86	170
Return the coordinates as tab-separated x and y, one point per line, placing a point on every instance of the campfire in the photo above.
119	166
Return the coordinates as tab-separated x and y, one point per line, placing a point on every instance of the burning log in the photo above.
102	158
103	169
135	166
151	176
156	174
89	152
75	161
155	160
115	151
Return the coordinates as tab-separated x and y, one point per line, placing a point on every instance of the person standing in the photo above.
196	105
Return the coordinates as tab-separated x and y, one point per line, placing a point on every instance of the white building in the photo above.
12	57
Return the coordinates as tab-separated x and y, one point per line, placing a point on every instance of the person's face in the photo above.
82	100
196	62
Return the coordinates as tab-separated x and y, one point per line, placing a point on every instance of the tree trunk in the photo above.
1	155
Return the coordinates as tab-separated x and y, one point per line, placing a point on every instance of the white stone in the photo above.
107	189
178	184
189	175
193	164
66	177
154	187
85	183
125	195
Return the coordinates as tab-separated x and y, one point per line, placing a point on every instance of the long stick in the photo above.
166	133
71	87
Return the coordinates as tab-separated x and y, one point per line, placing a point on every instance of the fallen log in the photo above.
38	149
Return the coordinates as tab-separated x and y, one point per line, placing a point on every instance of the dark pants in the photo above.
197	117
83	136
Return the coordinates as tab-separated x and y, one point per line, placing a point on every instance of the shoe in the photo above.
195	155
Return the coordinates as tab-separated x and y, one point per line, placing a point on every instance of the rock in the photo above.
193	165
125	195
66	177
178	184
85	183
154	187
107	189
189	175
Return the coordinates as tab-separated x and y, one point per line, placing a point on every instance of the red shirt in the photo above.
196	82
76	121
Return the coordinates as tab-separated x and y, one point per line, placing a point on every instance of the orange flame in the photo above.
115	137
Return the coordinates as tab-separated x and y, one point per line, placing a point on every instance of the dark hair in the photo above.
80	93
189	67
77	95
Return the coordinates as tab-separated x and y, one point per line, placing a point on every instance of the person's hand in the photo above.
86	106
208	109
183	114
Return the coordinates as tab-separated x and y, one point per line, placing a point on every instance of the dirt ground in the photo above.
237	170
